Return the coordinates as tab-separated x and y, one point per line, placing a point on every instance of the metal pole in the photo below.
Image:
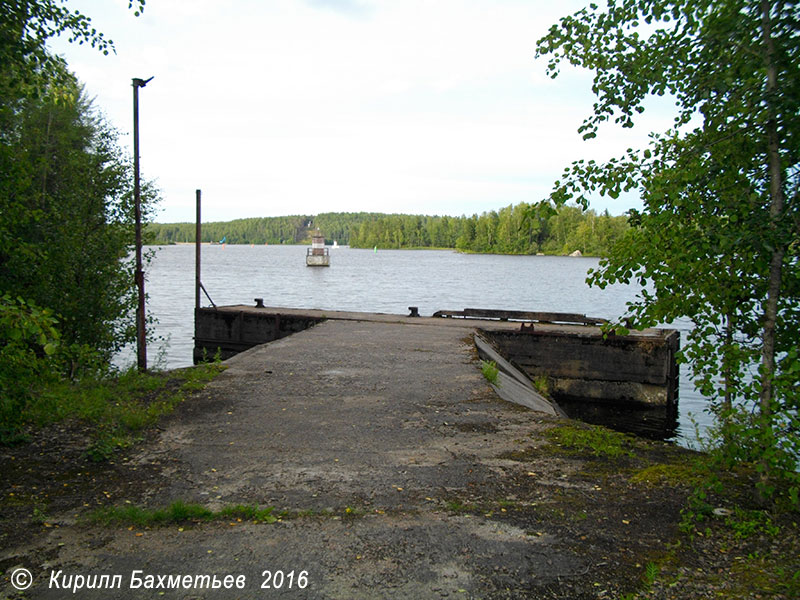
141	340
197	256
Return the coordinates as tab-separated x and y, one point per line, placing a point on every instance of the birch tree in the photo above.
717	239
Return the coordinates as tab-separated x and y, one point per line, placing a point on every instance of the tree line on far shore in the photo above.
516	229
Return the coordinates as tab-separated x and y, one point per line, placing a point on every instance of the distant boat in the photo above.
335	244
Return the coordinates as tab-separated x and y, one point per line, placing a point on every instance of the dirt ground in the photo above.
395	472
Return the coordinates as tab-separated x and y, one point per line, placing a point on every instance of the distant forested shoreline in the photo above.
516	229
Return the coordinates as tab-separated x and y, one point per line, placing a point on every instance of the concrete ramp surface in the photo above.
394	468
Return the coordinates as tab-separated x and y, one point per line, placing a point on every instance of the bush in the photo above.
29	341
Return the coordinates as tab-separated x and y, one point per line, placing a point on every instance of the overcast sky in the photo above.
276	107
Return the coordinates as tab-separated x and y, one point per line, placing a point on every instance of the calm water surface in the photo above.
386	281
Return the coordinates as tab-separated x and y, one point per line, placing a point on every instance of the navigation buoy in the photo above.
317	255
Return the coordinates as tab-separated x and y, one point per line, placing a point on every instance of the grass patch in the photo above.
247	512
177	512
305	513
115	408
598	441
456	506
131	400
685	474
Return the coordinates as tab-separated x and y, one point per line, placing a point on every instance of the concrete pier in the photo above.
578	363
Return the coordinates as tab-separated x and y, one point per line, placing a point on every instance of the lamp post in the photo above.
141	343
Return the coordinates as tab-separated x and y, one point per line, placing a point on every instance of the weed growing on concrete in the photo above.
247	512
490	371
542	385
456	506
177	512
287	514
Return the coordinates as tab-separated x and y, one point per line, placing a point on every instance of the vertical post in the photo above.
197	233
141	339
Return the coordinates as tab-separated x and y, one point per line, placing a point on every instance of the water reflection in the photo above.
655	423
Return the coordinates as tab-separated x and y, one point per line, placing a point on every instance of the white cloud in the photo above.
300	106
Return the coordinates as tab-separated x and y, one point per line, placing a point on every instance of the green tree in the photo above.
718	236
67	227
535	219
25	28
65	200
520	229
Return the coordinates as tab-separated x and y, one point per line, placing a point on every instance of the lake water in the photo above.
386	281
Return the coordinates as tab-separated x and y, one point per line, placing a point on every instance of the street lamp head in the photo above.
141	82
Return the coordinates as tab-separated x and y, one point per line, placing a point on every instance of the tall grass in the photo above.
115	408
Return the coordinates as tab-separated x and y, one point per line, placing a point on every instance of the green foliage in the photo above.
743	438
67	230
717	241
67	217
25	28
697	511
651	572
28	341
490	371
104	446
747	523
519	229
736	531
742	522
39	514
26	324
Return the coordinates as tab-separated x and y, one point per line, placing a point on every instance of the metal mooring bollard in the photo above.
414	311
259	302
